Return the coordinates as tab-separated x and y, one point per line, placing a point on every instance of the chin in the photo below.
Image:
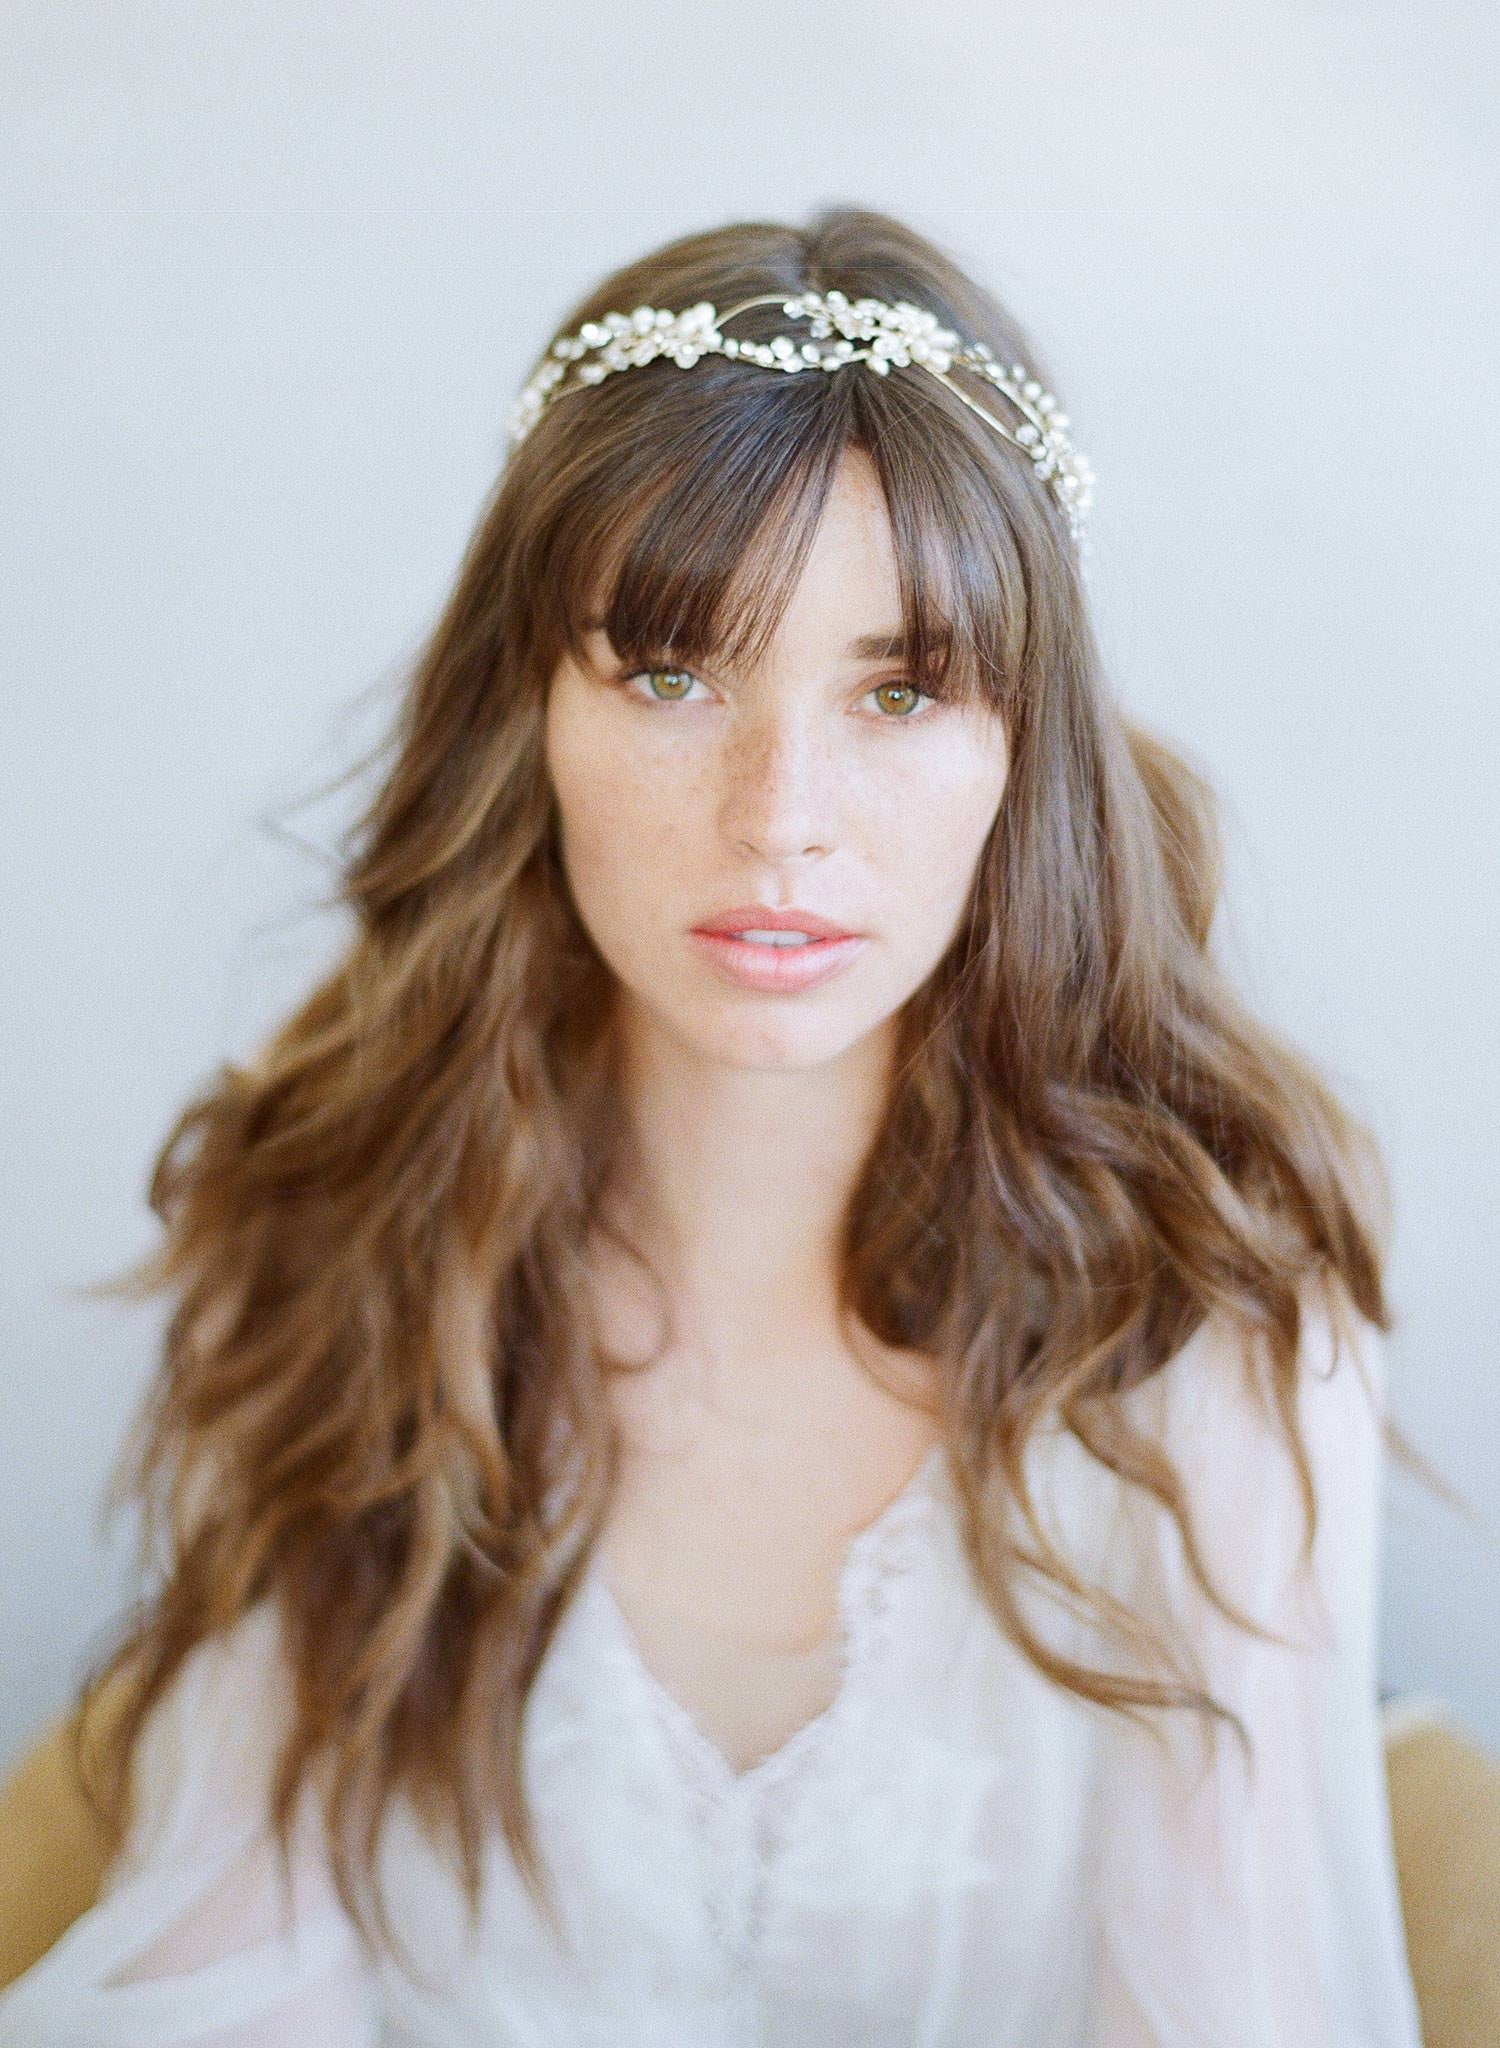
776	1034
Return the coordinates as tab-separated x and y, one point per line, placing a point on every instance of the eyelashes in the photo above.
927	700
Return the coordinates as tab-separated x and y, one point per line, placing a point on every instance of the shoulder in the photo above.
1216	1396
210	1744
1213	1411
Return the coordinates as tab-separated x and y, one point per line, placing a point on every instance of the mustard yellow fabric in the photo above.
51	1854
1445	1812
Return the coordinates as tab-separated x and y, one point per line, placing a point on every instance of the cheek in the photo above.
940	815
619	820
930	853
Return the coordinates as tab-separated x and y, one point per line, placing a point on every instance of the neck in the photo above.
736	1187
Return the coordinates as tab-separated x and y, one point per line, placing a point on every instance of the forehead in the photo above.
849	583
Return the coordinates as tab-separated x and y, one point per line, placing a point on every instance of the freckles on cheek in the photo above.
621	820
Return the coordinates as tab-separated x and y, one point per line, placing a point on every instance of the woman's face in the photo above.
822	782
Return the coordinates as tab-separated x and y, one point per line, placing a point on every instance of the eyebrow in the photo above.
890	646
879	646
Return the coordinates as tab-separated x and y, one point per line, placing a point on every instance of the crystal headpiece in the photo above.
896	334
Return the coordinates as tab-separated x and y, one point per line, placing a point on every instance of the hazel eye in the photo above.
901	701
677	675
907	690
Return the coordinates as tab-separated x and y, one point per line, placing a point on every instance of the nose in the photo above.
778	796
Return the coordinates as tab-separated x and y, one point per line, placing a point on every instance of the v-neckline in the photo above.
850	1628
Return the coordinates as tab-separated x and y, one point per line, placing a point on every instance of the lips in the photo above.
775	970
762	918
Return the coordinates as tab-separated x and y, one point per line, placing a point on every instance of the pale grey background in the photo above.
272	276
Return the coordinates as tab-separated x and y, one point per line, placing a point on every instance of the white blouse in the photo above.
957	1853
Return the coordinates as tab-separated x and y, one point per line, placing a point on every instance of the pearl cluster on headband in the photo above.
899	334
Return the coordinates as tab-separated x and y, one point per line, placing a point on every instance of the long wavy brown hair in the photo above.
381	1401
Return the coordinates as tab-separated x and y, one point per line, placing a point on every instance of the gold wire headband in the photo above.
897	334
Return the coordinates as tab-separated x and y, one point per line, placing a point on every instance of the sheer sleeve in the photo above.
1242	1909
188	1944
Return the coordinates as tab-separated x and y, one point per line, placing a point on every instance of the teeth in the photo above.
776	938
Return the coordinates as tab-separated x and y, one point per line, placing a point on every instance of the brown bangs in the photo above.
697	530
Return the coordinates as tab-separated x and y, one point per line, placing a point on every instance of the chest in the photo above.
723	1554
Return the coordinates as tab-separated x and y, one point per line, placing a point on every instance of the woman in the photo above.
772	1425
